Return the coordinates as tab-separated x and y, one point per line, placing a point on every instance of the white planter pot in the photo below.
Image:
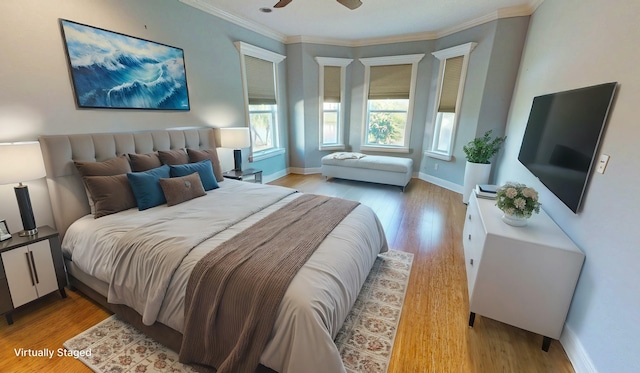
516	221
474	173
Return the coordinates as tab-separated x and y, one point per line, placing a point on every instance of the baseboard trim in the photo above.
576	352
441	182
304	171
274	176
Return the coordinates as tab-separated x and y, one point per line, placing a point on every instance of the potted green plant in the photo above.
479	152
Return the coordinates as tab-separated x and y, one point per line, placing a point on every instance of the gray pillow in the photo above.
181	189
110	194
144	162
172	157
114	166
211	154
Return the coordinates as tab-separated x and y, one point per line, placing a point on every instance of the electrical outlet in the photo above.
602	163
435	167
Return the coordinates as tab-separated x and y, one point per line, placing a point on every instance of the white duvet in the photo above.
315	304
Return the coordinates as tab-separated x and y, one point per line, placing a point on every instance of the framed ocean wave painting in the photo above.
113	70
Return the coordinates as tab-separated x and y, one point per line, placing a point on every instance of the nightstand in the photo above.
240	175
30	267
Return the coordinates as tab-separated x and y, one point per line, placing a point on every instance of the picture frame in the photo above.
4	231
117	71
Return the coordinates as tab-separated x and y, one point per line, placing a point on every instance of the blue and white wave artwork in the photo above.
112	70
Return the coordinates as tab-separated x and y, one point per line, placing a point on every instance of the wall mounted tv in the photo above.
561	140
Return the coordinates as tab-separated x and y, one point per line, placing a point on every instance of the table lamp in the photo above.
236	138
22	161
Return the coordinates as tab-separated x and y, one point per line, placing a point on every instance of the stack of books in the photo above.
486	191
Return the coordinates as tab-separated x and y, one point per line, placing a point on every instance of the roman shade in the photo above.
332	83
450	84
260	81
390	82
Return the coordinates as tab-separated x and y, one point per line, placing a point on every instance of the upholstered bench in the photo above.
371	168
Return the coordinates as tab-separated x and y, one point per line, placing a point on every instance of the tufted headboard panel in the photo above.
66	190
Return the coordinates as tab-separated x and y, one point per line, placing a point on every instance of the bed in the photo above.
315	303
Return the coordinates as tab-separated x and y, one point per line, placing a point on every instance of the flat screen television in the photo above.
562	136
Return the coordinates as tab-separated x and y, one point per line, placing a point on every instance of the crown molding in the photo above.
420	36
240	21
516	11
318	40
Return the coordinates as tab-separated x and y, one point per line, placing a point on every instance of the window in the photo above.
451	77
389	85
260	82
332	82
263	119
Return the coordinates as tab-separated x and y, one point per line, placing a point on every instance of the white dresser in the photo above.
522	276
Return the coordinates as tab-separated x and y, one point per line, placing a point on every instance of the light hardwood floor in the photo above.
433	335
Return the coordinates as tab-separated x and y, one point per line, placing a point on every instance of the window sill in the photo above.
332	147
442	156
258	156
388	149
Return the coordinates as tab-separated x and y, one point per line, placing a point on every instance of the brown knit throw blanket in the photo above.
234	291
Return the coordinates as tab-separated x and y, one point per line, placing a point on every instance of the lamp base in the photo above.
29	233
26	212
237	160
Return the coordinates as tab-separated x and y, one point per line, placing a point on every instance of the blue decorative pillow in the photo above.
203	168
146	186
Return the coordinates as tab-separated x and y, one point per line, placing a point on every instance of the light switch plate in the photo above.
602	163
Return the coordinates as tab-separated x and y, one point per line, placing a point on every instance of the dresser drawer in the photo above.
473	239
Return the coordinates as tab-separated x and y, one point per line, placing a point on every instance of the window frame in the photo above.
443	55
244	50
332	62
412	59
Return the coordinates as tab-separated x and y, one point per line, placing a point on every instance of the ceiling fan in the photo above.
351	4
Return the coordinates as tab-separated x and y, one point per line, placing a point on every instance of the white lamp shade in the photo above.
235	137
21	161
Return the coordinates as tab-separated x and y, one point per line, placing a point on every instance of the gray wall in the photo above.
491	76
304	104
490	80
304	91
573	44
303	80
37	98
295	87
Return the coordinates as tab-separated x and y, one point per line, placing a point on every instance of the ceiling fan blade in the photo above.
282	3
351	4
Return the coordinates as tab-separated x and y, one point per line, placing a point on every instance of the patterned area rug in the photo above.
365	341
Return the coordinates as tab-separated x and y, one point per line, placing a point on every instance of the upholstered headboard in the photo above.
66	190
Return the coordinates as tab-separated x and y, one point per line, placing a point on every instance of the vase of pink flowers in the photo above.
518	202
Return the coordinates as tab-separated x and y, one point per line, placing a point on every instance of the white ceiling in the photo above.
375	20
